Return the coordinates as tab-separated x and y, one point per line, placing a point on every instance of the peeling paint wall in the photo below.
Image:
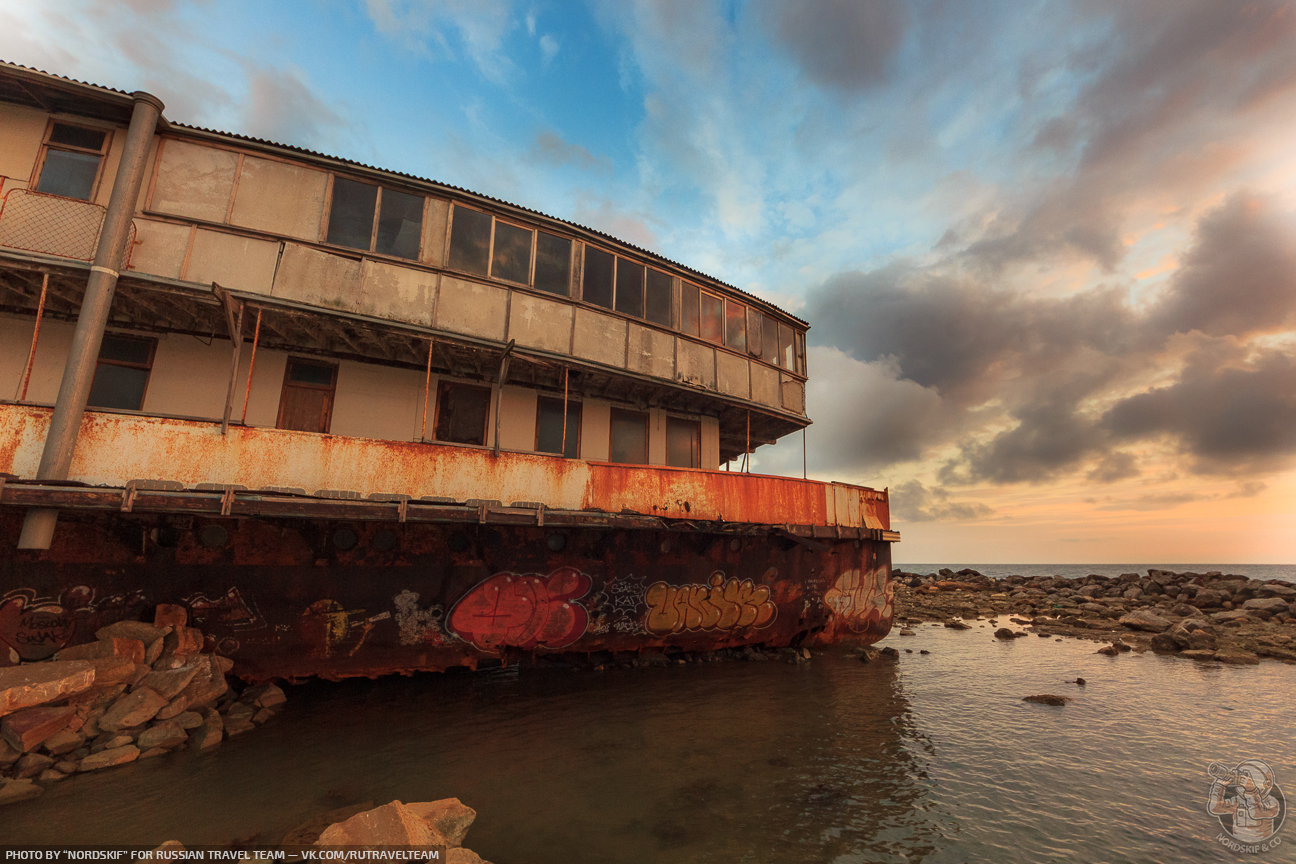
471	308
308	275
280	198
194	181
160	248
599	337
539	323
240	263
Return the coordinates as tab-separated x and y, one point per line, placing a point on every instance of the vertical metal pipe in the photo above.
566	370
803	453
747	453
499	394
247	394
31	354
236	338
78	374
427	390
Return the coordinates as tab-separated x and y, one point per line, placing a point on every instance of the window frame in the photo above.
306	385
697	454
580	425
377	216
46	146
647	447
490	259
443	385
148	377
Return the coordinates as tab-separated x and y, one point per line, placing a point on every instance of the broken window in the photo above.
549	427
786	359
683	443
400	225
630	288
351	213
735	326
657	300
462	411
512	256
122	373
629	437
800	354
689	315
470	236
755	335
711	318
306	404
769	339
73	157
553	264
596	283
399	228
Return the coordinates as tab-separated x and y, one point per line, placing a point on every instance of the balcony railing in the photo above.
54	225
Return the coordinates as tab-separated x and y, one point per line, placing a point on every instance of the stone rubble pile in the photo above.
1200	616
138	691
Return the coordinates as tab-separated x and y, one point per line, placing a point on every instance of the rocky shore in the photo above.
138	691
1209	617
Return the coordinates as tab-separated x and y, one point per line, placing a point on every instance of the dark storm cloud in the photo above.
1115	466
911	501
1240	276
1225	417
843	44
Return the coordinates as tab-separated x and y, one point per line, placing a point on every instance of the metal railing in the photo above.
54	225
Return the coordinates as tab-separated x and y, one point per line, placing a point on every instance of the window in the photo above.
735	326
630	288
755	335
658	298
470	236
511	258
769	339
689	315
462	411
683	443
786	358
629	442
73	156
122	374
553	264
596	282
800	354
711	317
549	427
397	230
306	404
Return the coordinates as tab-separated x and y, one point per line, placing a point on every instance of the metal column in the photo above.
78	374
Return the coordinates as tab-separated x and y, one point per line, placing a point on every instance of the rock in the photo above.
1197	654
1208	599
26	729
264	696
309	831
18	790
1144	619
67	766
167	734
133	709
460	855
62	741
1183	610
119	740
956	624
109	758
1108	650
169	683
1237	658
8	755
189	719
170	615
207	684
1166	642
132	648
171	846
1005	633
1271	605
113	670
51	775
145	633
1233	616
907	632
263	715
1046	699
209	733
1081	681
1275	652
1133	593
32	764
183	640
392	824
156	751
38	683
449	816
1277	589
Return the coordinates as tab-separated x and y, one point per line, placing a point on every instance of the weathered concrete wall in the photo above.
765	385
240	263
696	364
397	293
280	198
434	231
651	352
599	337
21	131
732	376
194	180
472	308
318	278
539	323
376	402
160	247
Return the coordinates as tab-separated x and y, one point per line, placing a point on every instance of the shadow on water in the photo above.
726	762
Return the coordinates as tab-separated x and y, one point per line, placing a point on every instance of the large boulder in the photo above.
1145	619
133	709
1208	598
26	729
167	734
110	647
1267	605
110	757
391	824
450	816
38	683
168	683
145	633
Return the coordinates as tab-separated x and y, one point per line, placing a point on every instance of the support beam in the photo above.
78	374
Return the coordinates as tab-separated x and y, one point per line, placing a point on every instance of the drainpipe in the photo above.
78	374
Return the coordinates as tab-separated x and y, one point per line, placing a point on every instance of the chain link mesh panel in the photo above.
53	225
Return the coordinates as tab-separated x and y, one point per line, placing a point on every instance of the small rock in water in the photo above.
1046	699
958	625
1108	650
924	651
1080	681
1005	633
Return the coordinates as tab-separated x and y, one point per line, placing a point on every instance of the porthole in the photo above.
213	536
345	538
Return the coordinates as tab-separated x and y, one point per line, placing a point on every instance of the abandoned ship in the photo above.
360	422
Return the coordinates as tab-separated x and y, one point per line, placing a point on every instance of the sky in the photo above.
1047	249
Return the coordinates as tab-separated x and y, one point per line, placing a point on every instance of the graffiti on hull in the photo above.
416	625
723	604
861	600
35	628
331	628
523	610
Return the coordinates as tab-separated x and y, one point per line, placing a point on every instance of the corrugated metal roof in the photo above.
176	126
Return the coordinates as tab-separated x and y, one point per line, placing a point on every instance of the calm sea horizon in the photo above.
1071	571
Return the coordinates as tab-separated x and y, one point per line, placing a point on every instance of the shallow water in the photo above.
1073	571
929	758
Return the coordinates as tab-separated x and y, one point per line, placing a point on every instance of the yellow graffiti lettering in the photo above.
723	604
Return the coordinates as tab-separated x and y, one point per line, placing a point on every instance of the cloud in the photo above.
551	148
548	48
1115	466
608	216
911	501
281	107
843	44
426	26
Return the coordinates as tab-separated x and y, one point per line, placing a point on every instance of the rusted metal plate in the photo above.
292	598
114	449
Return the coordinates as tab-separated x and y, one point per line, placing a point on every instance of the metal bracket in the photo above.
227	502
128	497
402	510
539	512
481	513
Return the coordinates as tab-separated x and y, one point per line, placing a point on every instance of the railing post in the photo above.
78	374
